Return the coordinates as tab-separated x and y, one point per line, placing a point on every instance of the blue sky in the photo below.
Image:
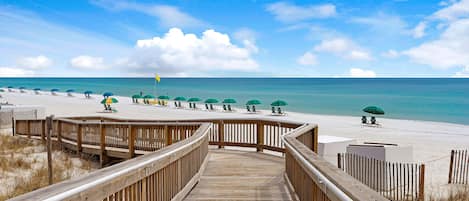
255	38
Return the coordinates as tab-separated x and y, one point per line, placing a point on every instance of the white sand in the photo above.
431	141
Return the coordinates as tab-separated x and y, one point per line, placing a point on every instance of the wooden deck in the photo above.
241	175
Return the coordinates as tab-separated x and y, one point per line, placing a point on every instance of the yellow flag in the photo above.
157	78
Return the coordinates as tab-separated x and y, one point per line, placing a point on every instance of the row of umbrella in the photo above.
276	103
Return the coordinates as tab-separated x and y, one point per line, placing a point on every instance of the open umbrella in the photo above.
10	87
149	96
229	101
194	100
278	103
373	110
108	101
70	91
136	96
253	102
87	93
22	89
163	97
211	101
37	89
107	94
179	98
54	90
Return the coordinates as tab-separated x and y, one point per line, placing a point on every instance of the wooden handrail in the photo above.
323	180
139	177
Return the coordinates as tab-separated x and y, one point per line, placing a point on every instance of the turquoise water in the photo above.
435	99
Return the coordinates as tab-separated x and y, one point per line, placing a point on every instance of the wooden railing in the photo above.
312	177
459	167
257	133
309	176
395	181
166	174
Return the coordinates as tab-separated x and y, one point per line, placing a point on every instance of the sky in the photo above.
234	38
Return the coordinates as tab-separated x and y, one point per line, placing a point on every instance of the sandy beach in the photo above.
431	141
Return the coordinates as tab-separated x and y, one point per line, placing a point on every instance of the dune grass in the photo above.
23	166
456	193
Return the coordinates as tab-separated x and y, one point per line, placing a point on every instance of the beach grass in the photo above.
23	166
456	193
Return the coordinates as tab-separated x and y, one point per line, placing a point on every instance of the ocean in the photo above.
433	99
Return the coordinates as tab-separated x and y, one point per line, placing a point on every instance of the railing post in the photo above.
339	161
43	130
260	136
315	140
169	136
221	134
28	128
102	135
13	124
79	138
450	176
59	131
422	183
131	141
50	127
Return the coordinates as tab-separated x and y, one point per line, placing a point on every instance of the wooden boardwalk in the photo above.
240	175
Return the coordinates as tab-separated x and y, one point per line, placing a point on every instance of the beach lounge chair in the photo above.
175	104
273	110
211	107
224	107
248	108
206	106
253	108
179	104
364	120
229	108
373	120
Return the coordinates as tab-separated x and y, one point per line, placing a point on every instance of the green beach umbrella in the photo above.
109	101
88	92
373	110
1	90
211	100
70	91
54	90
10	87
136	96
37	89
22	87
179	98
194	100
149	96
253	102
229	101
278	103
163	97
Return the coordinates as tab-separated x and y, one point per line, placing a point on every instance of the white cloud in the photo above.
39	62
15	72
357	72
88	63
343	47
248	38
454	11
169	16
383	23
307	59
177	52
419	30
390	54
286	12
448	51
